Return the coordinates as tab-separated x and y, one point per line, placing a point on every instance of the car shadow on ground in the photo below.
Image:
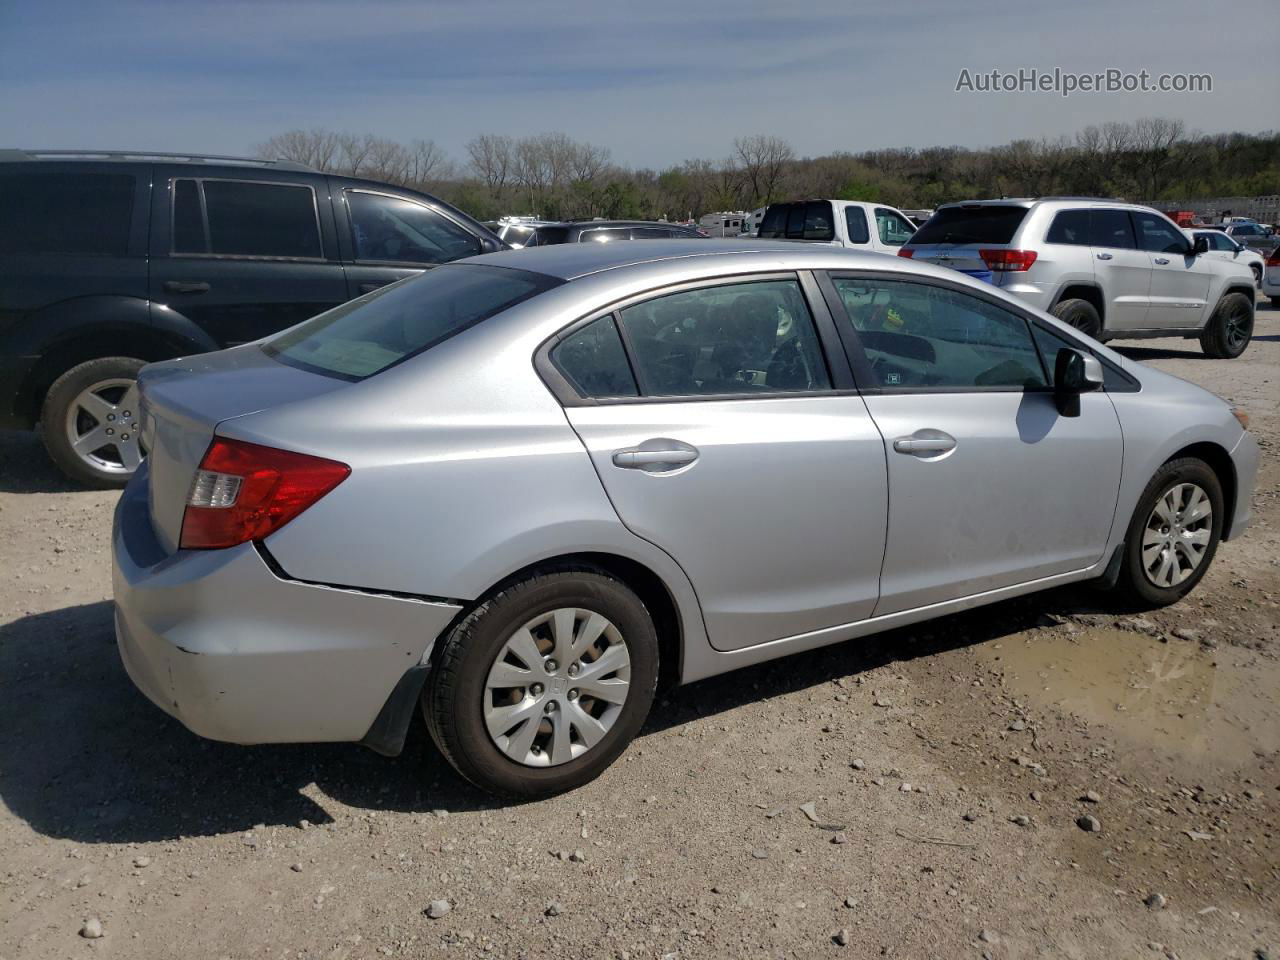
25	467
85	757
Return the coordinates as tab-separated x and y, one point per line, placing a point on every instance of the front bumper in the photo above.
237	653
1244	458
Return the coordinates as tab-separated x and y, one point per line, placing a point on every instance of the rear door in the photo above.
721	436
989	486
1121	268
242	258
385	237
1179	281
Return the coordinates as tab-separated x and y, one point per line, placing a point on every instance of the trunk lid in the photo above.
184	400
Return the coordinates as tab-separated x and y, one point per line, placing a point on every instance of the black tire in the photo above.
453	700
1229	330
1134	584
1275	302
57	404
1080	314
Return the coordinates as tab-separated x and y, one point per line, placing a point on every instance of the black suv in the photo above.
603	231
111	260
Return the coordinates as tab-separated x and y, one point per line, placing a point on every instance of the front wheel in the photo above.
543	685
1173	534
90	421
1230	329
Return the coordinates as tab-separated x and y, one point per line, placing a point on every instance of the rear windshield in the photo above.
371	333
977	224
810	220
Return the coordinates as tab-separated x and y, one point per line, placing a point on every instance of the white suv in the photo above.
1110	269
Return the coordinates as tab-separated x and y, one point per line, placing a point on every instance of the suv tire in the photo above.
1146	534
1229	330
1080	314
88	401
497	721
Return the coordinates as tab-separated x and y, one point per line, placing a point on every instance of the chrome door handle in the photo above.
939	442
1104	256
656	456
1161	260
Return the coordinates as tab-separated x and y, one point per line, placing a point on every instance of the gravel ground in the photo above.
1042	778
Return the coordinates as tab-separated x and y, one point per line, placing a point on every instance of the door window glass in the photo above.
390	229
915	335
1110	228
188	220
261	219
603	236
855	220
894	229
1158	235
732	339
84	214
593	361
649	233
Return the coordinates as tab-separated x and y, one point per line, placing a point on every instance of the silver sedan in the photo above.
519	489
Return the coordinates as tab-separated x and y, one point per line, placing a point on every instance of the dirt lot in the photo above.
947	765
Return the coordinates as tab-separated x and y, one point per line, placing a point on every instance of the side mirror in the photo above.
1074	372
1200	245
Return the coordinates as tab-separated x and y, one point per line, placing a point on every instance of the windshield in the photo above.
988	223
371	333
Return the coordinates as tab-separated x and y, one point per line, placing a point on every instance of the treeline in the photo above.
554	176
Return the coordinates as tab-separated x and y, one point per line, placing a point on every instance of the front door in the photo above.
1179	281
719	438
242	258
989	486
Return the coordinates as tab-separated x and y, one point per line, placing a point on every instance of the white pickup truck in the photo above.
842	223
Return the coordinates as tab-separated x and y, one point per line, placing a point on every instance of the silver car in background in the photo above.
519	489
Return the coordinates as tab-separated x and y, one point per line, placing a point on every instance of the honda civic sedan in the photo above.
519	489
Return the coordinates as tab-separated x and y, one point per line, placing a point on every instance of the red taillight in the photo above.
245	491
1273	260
1008	260
904	252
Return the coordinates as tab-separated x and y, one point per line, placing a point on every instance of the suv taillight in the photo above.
904	252
245	491
1273	259
1008	260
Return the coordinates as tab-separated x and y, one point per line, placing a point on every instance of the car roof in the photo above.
569	261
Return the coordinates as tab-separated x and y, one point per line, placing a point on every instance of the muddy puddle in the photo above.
1213	709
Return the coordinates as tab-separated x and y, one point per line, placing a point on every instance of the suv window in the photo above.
809	220
894	230
244	219
604	235
86	214
543	236
917	335
650	233
367	335
855	220
594	362
1069	226
1158	235
1111	228
980	223
753	337
393	229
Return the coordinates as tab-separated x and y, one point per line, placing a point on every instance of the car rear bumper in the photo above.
1244	458
237	653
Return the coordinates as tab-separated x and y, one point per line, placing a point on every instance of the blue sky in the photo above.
656	82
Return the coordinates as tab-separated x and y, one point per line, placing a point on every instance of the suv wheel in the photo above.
90	422
1230	328
542	686
1173	534
1080	314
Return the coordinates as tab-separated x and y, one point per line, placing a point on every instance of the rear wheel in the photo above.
1230	329
1174	533
90	421
1080	314
543	686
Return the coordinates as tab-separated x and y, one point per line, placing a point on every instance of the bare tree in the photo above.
316	148
1155	153
762	159
493	158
